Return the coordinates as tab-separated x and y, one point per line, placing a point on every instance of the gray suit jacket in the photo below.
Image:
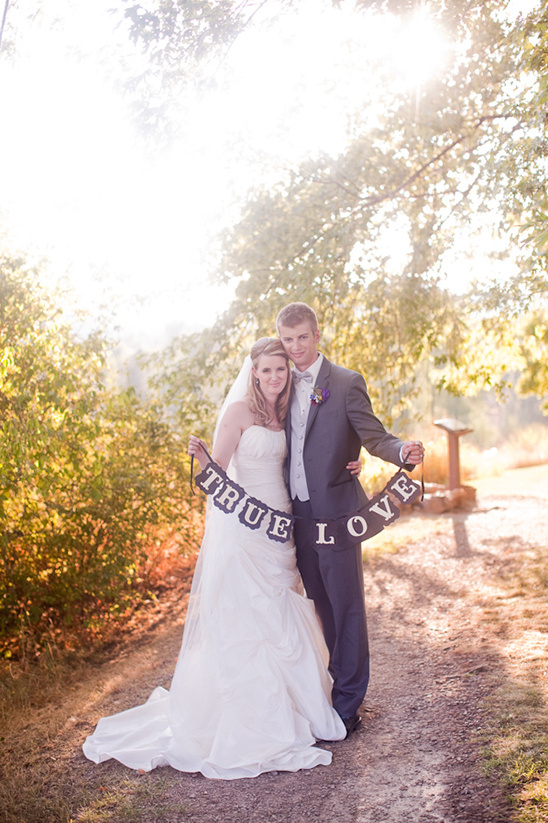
335	431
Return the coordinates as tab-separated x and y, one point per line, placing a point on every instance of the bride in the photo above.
251	690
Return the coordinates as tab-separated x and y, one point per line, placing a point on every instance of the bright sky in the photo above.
78	187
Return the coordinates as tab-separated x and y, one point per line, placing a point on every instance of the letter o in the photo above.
361	522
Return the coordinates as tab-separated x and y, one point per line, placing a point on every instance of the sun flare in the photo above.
81	190
419	49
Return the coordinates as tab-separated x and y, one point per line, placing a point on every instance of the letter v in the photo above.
382	507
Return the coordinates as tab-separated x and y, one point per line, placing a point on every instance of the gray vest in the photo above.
297	477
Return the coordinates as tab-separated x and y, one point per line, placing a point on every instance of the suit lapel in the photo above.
288	418
323	382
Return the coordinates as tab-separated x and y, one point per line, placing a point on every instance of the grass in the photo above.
518	748
44	777
53	791
36	790
516	741
33	683
131	800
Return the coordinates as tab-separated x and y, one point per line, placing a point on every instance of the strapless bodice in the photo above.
259	465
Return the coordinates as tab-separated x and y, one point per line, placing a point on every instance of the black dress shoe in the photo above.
351	723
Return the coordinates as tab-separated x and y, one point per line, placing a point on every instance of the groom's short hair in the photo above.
295	313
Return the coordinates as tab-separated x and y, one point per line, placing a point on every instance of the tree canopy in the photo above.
367	237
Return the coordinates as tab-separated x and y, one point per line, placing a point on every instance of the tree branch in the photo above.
5	14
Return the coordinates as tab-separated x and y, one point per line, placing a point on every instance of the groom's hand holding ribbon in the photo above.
412	451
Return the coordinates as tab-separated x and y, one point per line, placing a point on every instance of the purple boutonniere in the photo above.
319	395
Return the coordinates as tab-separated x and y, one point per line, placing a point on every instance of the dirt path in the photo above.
443	636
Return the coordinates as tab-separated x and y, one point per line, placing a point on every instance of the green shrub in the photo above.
89	473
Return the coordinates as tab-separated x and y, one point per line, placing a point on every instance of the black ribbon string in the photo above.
192	466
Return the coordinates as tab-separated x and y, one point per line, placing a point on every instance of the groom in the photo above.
322	438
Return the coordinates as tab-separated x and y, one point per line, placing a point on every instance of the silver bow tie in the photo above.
305	375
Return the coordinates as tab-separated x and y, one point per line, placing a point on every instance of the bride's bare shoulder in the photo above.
240	413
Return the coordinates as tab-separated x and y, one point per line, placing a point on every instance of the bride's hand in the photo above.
196	448
354	467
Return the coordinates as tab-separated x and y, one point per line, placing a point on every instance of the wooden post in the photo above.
454	429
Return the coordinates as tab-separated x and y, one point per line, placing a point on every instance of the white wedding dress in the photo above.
251	691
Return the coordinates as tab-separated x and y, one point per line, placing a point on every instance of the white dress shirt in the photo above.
300	407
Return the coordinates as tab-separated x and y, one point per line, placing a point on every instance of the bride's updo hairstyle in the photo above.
268	346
